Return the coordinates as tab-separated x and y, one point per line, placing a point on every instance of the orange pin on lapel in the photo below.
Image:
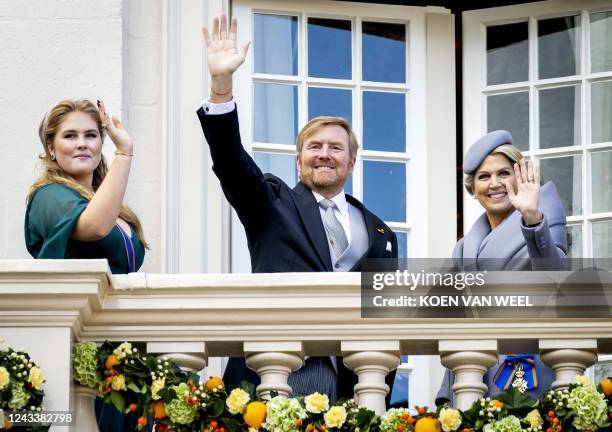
381	230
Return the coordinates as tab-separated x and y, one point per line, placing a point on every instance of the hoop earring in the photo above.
52	156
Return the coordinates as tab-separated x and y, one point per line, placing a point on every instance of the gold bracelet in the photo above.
118	153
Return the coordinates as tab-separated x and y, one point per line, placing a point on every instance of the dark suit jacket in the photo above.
283	226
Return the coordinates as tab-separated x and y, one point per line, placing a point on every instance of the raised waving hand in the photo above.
224	57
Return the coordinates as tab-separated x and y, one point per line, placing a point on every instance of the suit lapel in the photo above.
311	218
371	228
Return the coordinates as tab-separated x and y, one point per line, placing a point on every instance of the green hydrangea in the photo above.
391	419
180	412
181	390
19	397
589	406
84	364
507	424
282	414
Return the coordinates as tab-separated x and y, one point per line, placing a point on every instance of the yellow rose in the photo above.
316	403
237	400
534	419
36	377
118	383
335	417
122	350
156	386
450	419
4	377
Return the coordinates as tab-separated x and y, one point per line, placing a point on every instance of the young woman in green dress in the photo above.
75	208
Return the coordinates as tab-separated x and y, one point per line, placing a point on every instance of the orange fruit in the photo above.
214	382
159	410
606	386
427	424
255	414
111	361
142	421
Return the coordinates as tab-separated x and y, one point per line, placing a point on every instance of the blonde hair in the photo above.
319	122
508	150
53	173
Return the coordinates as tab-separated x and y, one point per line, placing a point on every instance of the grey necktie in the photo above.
335	233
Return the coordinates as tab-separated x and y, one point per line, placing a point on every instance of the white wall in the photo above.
52	50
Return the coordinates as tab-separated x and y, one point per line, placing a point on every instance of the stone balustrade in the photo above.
274	321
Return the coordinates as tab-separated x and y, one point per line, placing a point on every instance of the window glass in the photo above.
282	166
566	174
275	44
602	239
559	117
384	121
384	189
507	53
275	114
384	52
601	111
510	112
330	102
559	47
329	48
601	181
601	41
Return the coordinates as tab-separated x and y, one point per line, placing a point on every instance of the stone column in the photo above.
273	362
83	399
469	360
568	358
371	361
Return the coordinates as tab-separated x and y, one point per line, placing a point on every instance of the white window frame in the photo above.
476	90
416	224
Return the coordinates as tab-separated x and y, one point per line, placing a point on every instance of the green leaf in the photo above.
232	425
249	388
513	399
215	408
118	400
132	386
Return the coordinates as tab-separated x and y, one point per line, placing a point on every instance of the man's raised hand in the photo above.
224	57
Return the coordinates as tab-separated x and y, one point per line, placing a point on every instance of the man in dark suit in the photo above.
312	227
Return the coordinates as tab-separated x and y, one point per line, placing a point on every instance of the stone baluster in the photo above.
568	358
371	361
187	355
273	362
469	360
83	399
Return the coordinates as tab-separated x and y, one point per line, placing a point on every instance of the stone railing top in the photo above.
319	309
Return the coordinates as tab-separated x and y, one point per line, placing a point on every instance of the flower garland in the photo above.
174	400
20	385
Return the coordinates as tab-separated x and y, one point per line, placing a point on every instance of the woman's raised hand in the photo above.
526	198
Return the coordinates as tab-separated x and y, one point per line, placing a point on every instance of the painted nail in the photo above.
98	102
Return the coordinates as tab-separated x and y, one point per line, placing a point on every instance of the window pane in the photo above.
601	41
275	118
282	166
566	174
507	54
601	181
559	117
510	112
330	102
574	241
329	48
559	46
384	52
275	44
601	111
384	189
384	121
402	244
602	239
